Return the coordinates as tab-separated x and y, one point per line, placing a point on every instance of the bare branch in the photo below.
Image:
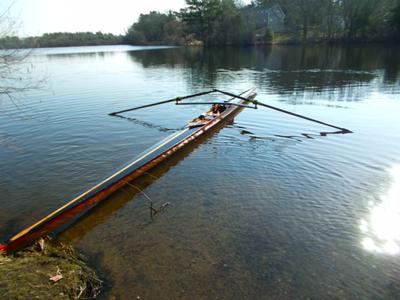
15	67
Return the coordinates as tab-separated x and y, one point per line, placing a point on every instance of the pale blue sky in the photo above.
40	16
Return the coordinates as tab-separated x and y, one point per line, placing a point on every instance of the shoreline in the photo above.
47	270
286	42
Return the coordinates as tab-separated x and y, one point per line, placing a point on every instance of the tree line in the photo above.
61	39
210	22
227	22
346	20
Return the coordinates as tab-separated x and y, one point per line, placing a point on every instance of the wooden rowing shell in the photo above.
133	169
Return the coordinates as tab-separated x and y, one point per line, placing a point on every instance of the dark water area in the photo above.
264	208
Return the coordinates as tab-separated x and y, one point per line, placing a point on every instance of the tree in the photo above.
232	26
15	68
217	22
395	19
155	28
200	16
269	35
174	33
330	21
134	37
304	14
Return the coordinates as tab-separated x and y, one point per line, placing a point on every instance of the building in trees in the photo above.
273	17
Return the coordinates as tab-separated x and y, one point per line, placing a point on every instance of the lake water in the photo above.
265	208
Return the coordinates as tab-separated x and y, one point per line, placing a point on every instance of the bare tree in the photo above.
15	67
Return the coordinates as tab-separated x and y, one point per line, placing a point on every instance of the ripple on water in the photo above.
265	208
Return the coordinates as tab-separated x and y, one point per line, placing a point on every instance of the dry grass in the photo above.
26	274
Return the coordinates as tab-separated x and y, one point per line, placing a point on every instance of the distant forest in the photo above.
61	39
227	22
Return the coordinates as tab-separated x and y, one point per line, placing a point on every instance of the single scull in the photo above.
139	165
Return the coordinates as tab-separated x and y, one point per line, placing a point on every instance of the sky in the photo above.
109	16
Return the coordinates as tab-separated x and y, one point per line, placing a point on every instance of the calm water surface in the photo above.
265	208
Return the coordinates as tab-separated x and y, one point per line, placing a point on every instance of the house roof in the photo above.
274	9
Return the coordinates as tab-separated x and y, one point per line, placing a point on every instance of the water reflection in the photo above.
382	228
340	73
78	51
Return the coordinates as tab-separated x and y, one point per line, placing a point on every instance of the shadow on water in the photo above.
298	138
147	124
101	212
